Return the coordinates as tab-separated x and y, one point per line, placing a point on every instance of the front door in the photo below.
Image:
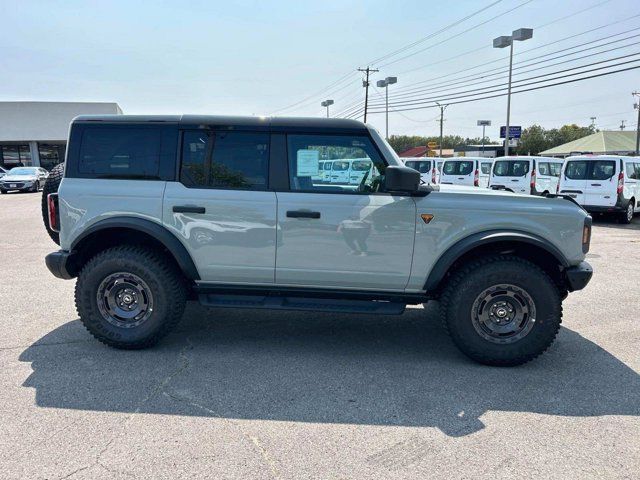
342	236
220	207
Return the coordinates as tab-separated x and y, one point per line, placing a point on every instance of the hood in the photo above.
19	178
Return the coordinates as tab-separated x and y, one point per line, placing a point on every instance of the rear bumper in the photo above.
577	277
604	209
61	264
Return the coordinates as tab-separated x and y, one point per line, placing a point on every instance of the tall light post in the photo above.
326	103
507	41
483	124
442	109
385	83
637	106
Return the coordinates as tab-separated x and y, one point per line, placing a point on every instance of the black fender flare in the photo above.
155	230
448	258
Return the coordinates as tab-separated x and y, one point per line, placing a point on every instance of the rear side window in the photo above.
225	160
120	152
421	166
485	168
511	168
457	167
631	170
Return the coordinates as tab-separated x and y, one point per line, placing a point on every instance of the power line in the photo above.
523	90
431	35
457	34
478	91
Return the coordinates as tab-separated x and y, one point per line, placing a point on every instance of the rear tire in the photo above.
51	185
626	217
502	310
129	297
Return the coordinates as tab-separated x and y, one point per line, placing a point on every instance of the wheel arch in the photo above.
527	245
132	230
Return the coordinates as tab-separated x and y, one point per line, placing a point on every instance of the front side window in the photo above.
511	168
225	160
356	166
458	167
120	152
631	171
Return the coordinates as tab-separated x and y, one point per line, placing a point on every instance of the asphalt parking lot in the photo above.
300	395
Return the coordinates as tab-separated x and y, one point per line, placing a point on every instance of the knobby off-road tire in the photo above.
501	310
130	297
51	185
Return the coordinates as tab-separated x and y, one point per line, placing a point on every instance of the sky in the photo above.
260	57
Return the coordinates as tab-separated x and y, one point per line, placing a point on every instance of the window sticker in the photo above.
308	164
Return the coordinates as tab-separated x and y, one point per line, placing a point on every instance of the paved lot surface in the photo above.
301	395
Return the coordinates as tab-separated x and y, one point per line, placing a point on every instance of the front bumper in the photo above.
20	187
578	276
61	264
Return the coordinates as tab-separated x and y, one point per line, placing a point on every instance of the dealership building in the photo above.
35	133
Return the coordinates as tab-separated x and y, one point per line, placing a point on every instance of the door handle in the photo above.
596	184
188	209
302	214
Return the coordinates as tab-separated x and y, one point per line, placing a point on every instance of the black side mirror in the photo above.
401	179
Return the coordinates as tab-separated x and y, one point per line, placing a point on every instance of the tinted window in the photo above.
225	160
120	152
511	168
457	167
485	168
590	170
350	159
555	169
421	166
543	168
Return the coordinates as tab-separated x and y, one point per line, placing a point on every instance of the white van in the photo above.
485	172
426	166
340	170
358	169
461	171
603	184
530	175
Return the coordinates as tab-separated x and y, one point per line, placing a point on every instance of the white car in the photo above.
23	179
461	171
528	175
603	184
426	166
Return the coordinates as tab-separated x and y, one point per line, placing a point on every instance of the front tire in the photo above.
129	297
502	310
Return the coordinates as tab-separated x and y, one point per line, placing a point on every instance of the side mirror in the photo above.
401	179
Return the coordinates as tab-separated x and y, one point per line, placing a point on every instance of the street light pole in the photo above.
507	41
326	103
484	124
385	83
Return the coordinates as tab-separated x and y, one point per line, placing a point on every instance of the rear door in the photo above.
602	182
547	174
484	172
221	209
458	172
512	174
573	180
424	167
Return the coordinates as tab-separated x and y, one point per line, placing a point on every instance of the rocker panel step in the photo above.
371	307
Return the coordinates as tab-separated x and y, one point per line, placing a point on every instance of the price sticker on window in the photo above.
308	164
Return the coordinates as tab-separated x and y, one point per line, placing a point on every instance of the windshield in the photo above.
421	166
457	167
511	168
22	171
590	170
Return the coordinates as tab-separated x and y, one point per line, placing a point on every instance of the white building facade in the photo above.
35	133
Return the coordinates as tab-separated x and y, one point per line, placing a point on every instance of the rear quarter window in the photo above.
131	152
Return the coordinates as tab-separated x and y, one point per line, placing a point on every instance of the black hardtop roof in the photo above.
223	120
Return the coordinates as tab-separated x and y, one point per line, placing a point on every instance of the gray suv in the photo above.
233	212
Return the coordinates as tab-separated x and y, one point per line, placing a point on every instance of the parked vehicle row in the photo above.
599	183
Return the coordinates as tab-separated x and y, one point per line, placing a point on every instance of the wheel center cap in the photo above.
501	312
128	299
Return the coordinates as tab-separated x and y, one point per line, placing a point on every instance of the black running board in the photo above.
371	307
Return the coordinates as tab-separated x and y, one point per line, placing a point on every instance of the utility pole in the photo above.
637	107
365	84
442	109
593	122
622	125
